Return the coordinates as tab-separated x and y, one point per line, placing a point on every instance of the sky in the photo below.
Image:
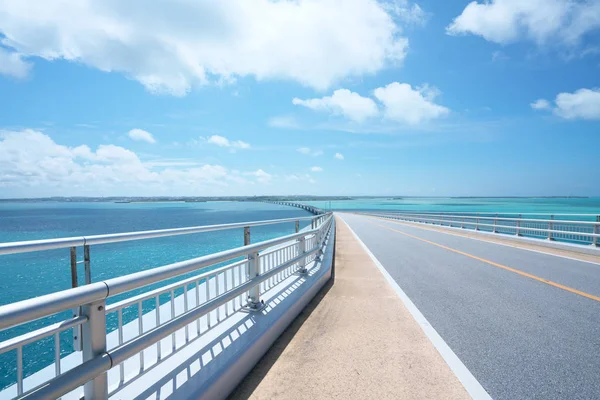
319	97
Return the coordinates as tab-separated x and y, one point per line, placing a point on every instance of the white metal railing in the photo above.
582	232
194	305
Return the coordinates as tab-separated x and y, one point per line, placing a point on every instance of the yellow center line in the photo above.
516	271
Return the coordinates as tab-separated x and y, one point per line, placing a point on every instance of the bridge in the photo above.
353	305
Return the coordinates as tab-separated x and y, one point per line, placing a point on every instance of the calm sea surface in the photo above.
24	276
540	205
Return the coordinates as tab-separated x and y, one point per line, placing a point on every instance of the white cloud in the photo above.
141	135
540	104
339	156
400	101
583	103
407	13
173	47
299	178
407	105
307	151
261	176
542	21
32	163
224	142
342	102
283	121
316	169
12	64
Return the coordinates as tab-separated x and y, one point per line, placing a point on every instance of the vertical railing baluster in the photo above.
173	339
185	309
141	330
550	227
206	283
19	370
158	345
120	334
198	305
57	353
217	295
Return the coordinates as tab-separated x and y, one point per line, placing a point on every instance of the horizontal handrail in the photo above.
555	221
91	299
519	226
42	306
489	213
84	372
31	337
50	244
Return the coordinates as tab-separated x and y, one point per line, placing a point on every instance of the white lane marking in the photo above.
404	223
470	383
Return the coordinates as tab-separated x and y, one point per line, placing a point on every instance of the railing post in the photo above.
73	254
518	228
495	223
86	263
596	231
550	227
477	223
302	251
94	345
253	271
462	223
297	226
246	235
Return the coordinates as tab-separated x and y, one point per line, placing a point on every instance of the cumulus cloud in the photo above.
261	176
141	135
307	151
540	104
31	160
12	64
222	141
581	104
411	14
316	169
338	156
401	103
541	21
404	104
342	102
173	47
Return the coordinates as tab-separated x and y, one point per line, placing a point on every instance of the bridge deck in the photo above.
525	323
356	340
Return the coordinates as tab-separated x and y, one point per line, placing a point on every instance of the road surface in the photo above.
526	324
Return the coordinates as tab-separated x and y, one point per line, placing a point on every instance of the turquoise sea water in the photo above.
539	205
24	276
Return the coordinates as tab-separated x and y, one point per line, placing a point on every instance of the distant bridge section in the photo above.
311	209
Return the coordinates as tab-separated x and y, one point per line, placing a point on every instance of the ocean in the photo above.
28	275
509	205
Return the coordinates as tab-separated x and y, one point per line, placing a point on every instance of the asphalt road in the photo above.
520	337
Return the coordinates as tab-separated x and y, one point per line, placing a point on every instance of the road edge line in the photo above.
466	378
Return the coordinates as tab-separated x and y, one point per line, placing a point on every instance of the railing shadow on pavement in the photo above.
247	386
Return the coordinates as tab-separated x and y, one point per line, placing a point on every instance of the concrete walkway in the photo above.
356	340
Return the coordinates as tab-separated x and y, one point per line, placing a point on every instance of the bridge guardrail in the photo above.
581	232
208	299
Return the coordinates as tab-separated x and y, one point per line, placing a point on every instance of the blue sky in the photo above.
327	97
